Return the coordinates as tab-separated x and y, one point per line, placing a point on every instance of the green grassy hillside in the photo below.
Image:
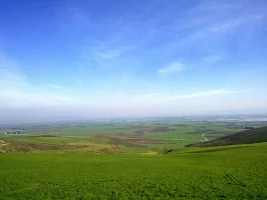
243	137
228	172
36	144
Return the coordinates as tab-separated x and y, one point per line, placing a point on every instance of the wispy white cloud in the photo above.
157	97
110	54
241	20
172	68
219	28
10	76
16	90
24	94
10	79
144	104
58	87
203	94
216	18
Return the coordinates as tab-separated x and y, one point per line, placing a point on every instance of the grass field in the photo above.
130	161
232	172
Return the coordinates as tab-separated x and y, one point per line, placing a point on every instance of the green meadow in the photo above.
232	172
137	160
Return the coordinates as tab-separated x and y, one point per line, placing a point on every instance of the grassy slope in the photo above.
61	144
232	172
244	137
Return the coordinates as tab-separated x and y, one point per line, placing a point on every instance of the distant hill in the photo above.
245	137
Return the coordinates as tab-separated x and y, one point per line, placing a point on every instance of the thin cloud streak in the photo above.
156	97
58	87
110	54
203	94
172	68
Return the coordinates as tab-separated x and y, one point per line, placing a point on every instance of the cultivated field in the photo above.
151	134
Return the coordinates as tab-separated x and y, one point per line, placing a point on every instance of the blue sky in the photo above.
122	58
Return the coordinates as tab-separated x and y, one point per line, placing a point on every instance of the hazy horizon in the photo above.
100	59
21	117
